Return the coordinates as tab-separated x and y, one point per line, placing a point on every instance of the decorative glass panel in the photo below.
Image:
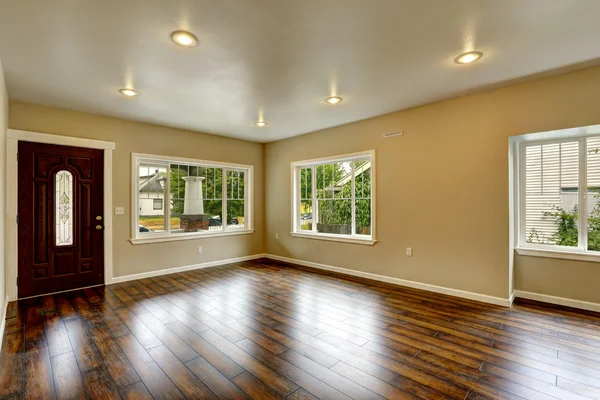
64	208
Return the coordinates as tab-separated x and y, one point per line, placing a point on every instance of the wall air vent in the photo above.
392	134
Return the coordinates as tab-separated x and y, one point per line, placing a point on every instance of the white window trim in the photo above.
166	237
295	200
518	199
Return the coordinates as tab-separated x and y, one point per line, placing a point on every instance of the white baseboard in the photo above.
118	279
561	301
512	297
402	282
3	324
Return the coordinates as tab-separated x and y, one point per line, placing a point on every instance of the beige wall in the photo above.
579	280
134	137
3	127
442	188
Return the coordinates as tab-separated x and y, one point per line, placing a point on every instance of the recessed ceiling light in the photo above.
469	57
261	124
333	99
128	92
184	38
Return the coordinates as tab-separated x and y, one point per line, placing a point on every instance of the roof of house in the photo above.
152	183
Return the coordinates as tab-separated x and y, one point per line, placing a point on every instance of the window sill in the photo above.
173	238
566	255
334	238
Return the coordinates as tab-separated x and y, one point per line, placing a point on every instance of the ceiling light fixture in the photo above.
333	99
467	58
128	92
261	124
184	38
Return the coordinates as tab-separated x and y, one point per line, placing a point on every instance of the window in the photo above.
183	199
64	208
559	195
334	198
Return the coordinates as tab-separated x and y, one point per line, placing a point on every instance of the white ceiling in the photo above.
280	58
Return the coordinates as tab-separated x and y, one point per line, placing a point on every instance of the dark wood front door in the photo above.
61	218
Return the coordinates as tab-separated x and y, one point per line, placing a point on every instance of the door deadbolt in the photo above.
98	218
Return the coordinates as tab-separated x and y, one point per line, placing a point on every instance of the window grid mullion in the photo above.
224	199
353	197
583	222
167	198
315	205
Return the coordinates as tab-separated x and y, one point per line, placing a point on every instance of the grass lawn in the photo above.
156	222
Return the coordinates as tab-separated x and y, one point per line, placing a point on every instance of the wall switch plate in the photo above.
119	210
409	251
199	250
277	236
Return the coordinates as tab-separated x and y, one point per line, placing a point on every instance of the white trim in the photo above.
136	238
566	255
183	236
561	134
335	238
511	299
3	322
108	215
172	159
184	268
36	137
561	301
402	282
335	158
12	168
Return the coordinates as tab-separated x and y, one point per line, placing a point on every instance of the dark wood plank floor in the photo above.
268	330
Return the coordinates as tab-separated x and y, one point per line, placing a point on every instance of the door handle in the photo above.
99	227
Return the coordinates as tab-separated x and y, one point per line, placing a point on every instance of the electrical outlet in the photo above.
119	210
199	250
277	236
409	251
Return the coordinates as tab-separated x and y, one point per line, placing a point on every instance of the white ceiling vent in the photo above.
392	134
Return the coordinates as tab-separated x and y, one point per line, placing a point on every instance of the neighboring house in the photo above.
152	189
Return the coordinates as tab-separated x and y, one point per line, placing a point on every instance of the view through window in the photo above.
560	198
178	198
334	197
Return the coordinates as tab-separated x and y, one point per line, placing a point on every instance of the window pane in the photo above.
306	211
334	198
552	194
64	208
151	190
362	196
235	200
196	204
593	197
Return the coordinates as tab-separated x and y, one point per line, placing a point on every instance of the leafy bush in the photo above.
567	233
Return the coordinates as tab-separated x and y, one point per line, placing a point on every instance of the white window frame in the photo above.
166	236
295	187
518	145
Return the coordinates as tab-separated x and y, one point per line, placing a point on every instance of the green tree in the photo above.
334	194
212	188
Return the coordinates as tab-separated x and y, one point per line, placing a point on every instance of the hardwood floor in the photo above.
268	330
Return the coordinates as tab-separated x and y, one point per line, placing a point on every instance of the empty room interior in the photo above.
300	199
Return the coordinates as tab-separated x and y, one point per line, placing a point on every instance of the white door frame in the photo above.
12	249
